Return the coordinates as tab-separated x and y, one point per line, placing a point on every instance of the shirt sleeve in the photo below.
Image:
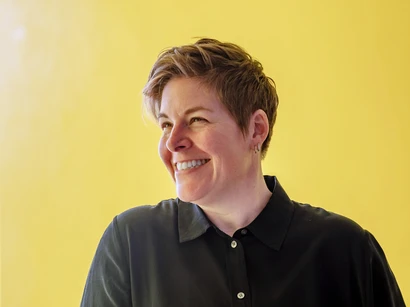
382	288
108	281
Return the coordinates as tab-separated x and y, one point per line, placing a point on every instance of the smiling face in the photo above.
202	147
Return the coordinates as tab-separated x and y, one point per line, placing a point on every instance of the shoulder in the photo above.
167	207
332	238
320	223
163	214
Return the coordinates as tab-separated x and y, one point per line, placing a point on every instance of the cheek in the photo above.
166	156
163	150
222	143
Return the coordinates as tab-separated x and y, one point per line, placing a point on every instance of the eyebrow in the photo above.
187	112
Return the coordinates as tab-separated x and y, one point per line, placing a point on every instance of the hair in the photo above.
236	77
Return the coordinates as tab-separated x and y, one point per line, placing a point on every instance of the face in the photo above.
202	147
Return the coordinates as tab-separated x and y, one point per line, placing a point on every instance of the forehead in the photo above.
182	93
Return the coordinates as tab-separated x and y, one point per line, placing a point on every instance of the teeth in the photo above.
190	164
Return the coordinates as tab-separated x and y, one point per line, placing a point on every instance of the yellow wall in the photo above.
74	150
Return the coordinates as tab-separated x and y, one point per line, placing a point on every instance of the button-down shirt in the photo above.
292	254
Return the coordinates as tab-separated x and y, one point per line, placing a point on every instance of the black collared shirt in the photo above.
292	254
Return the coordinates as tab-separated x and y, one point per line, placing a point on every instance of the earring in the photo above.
257	148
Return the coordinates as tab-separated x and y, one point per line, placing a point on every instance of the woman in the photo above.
232	237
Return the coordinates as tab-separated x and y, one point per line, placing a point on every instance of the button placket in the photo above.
236	266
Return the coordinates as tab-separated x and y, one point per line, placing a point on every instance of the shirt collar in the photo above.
192	221
270	226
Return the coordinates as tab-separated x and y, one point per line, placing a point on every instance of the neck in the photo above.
240	208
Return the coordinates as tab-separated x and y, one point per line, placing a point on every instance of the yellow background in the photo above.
75	151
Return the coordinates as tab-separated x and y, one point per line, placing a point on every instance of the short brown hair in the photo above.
237	78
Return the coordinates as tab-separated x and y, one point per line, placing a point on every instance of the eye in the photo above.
165	125
196	119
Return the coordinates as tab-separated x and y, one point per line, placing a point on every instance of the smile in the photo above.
190	164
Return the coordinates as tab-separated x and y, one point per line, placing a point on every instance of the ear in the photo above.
258	127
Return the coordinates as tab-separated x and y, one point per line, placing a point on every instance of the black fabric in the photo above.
292	254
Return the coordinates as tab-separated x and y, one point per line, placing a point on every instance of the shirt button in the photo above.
244	231
234	244
240	295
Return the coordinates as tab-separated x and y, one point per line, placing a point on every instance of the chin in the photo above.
186	197
189	196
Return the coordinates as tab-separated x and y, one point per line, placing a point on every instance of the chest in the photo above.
237	272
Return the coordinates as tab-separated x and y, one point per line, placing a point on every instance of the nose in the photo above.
178	139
